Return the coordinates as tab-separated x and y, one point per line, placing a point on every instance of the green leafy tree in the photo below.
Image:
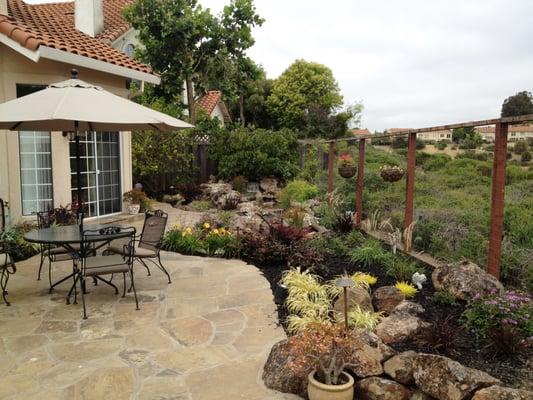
178	38
301	86
519	104
319	123
520	147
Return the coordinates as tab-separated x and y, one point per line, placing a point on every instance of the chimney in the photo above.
3	7
88	16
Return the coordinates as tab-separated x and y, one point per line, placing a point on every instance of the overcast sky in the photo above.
413	63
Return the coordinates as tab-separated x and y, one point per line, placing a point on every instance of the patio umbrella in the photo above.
77	106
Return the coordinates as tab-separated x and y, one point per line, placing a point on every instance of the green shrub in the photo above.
442	144
19	248
402	269
200	205
184	241
255	154
370	253
526	157
520	147
444	298
240	184
297	191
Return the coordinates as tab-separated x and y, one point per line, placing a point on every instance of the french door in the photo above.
100	172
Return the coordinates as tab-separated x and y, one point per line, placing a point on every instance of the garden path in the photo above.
205	336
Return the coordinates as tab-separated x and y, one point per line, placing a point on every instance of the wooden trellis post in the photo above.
331	163
410	180
497	199
360	184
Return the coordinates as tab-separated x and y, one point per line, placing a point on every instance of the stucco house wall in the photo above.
17	69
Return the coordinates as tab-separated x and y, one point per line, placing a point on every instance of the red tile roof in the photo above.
52	25
209	101
357	132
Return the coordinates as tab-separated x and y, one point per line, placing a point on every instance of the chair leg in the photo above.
3	285
145	266
163	268
134	291
40	265
124	290
82	284
50	273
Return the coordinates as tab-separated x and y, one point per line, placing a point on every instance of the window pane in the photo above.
35	171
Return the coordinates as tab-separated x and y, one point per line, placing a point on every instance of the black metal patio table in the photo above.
69	236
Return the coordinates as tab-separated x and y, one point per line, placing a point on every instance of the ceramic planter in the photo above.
320	391
347	171
134	208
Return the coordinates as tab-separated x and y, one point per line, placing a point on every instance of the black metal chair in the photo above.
7	268
148	244
96	266
45	219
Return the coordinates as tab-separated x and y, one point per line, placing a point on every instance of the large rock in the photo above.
228	201
420	395
464	280
502	393
278	376
409	307
269	185
375	388
372	352
401	326
356	297
446	379
400	367
213	191
386	298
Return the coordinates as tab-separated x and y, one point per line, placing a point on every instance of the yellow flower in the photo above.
206	225
215	231
408	290
176	226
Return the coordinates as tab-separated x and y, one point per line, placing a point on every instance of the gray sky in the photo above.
413	63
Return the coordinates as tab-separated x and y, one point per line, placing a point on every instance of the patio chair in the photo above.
148	244
45	219
7	268
96	266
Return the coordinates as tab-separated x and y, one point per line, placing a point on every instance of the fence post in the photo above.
331	163
497	199
201	154
410	180
360	184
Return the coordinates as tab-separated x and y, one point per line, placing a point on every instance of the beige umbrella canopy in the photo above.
78	106
75	105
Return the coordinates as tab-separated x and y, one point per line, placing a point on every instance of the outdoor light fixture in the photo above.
345	283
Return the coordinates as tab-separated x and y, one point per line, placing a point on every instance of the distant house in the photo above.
212	104
445	134
516	132
359	132
39	45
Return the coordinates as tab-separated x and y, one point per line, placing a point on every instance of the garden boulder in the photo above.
502	393
278	376
386	298
371	353
409	307
376	388
356	297
446	379
269	185
400	367
401	326
464	280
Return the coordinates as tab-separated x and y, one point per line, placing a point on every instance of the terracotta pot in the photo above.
321	391
347	171
134	208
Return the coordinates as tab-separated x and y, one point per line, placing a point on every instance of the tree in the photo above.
519	104
301	86
458	134
526	157
319	123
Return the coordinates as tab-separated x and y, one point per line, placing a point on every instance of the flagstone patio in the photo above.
205	336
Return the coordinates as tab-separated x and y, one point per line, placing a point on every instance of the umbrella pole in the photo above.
79	212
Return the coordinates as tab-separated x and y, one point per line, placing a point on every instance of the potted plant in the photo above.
391	173
347	167
323	351
134	198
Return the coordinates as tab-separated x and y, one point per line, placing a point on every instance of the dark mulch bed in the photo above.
450	341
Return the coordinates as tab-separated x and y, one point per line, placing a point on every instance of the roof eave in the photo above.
87	62
31	54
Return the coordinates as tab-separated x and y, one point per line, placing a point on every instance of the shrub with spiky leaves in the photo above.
370	253
359	318
408	289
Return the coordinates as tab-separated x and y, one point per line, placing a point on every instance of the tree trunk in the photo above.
241	109
190	100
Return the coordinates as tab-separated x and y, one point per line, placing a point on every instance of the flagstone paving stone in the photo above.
205	336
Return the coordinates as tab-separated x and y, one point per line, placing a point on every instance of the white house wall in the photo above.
14	69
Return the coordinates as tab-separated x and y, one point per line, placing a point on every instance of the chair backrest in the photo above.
45	219
155	223
2	215
107	234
